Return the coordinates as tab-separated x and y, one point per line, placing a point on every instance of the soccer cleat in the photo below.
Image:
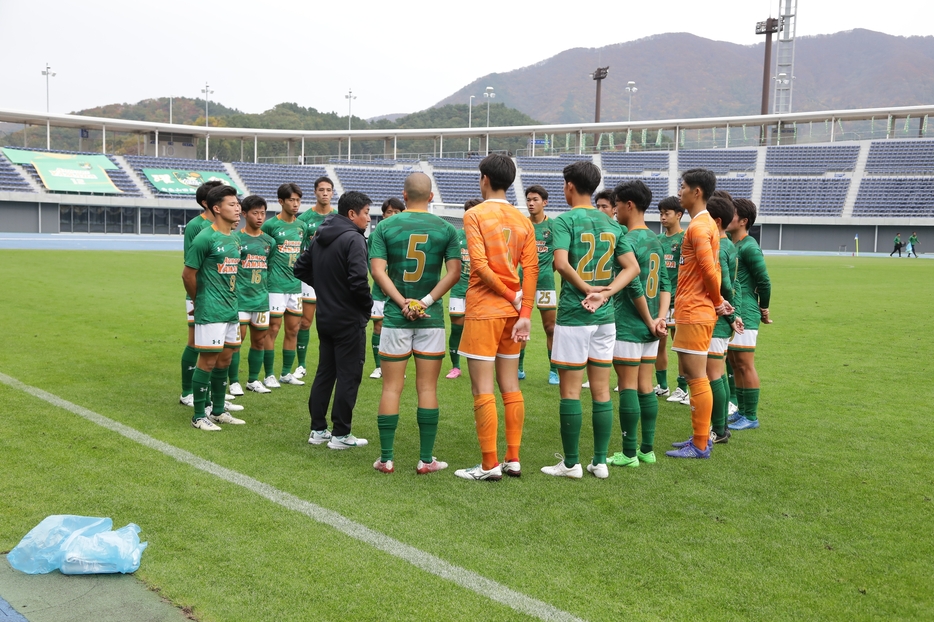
553	378
319	437
231	407
562	470
348	441
203	423
187	400
454	373
257	387
716	438
225	418
660	392
732	408
648	457
599	470
744	424
300	372
377	373
290	379
431	467
511	468
477	473
687	399
229	397
271	382
236	390
521	375
691	440
734	417
386	467
678	395
690	451
621	459
586	385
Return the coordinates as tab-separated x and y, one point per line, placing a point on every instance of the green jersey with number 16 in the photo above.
252	290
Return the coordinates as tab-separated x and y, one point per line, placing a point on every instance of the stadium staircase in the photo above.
757	180
133	175
858	172
235	177
34	184
338	186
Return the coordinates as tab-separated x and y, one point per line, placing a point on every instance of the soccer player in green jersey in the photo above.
639	324
753	309
210	278
546	295
324	190
252	289
898	245
457	301
586	246
406	255
670	213
605	203
913	244
391	206
285	291
192	229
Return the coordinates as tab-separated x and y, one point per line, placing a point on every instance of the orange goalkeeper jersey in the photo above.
499	239
699	273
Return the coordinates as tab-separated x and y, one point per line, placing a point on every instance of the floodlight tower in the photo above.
767	28
207	95
599	75
48	73
785	56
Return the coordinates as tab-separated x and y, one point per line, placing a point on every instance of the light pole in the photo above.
631	87
170	111
349	97
488	95
48	73
207	95
469	119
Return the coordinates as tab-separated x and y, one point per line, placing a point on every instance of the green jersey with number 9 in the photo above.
289	238
653	275
216	257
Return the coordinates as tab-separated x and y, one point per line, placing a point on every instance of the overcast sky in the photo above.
396	56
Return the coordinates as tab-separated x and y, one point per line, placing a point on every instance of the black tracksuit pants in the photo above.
340	360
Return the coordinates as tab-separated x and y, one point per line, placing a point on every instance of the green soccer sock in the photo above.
648	406
269	361
683	383
301	345
734	396
661	378
233	372
387	435
427	419
454	342
200	383
522	362
602	430
552	367
720	400
218	389
741	400
571	415
751	410
189	363
255	364
629	413
374	343
288	357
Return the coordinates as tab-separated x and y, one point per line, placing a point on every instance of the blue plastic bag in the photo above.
78	545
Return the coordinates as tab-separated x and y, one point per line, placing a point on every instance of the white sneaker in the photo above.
732	408
477	473
225	418
236	390
271	382
687	399
230	407
347	442
599	470
659	391
257	387
586	385
187	400
205	424
677	395
562	470
300	372
229	397
319	437
290	379
377	373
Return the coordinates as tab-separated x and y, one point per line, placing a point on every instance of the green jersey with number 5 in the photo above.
252	291
216	257
653	276
289	237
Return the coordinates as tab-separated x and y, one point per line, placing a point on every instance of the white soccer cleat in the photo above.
271	382
236	390
659	391
562	470
257	387
687	399
205	424
229	397
187	400
477	474
226	418
586	385
319	437
290	379
600	471
434	466
677	395
732	408
300	372
347	442
231	407
377	373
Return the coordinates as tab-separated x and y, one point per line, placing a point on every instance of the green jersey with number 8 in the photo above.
289	237
653	276
216	257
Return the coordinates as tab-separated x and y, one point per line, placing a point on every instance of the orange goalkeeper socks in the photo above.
701	409
515	417
484	412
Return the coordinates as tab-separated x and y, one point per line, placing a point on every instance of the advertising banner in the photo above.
184	182
61	172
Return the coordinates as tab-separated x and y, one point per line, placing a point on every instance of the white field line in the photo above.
420	559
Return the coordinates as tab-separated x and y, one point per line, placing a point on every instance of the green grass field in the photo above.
825	512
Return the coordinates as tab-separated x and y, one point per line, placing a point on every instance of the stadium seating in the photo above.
616	162
901	156
810	159
803	196
10	178
265	179
738	187
459	186
895	196
550	163
553	183
378	184
658	184
720	161
374	162
181	164
460	163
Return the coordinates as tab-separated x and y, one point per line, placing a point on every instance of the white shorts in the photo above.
190	311
378	309
398	344
717	347
256	319
457	307
631	353
574	347
745	342
214	337
546	299
308	293
280	304
670	318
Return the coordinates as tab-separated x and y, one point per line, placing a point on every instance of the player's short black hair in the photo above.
723	194
722	208
352	200
217	195
584	175
391	202
606	195
670	204
252	202
636	191
201	194
536	189
285	191
499	169
323	178
746	209
471	203
701	178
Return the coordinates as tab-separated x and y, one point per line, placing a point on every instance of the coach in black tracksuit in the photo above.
335	264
